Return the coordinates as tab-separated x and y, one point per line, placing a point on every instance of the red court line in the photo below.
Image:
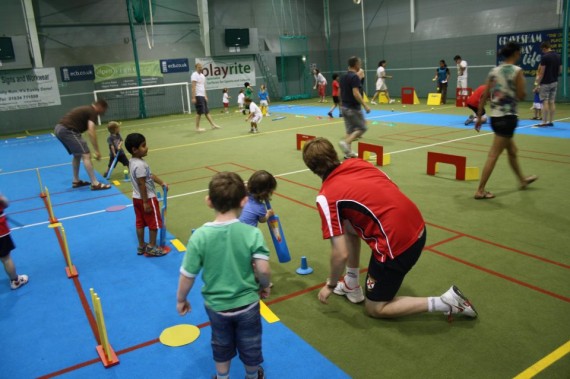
502	276
412	140
120	352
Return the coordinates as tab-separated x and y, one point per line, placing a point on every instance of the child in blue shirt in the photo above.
263	100
260	188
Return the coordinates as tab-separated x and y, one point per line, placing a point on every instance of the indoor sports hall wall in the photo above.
98	32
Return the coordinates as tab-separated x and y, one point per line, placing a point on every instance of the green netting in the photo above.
293	71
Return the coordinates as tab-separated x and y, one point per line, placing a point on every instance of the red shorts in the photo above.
152	219
226	105
321	88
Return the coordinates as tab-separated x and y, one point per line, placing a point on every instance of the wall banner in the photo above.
228	72
77	73
169	66
120	75
530	47
24	89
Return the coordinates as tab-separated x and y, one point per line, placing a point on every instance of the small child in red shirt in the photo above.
6	246
335	96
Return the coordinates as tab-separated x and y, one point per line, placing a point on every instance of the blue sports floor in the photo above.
47	327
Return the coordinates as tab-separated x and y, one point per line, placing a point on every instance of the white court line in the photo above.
287	173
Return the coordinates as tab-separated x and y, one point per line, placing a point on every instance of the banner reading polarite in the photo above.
24	89
227	73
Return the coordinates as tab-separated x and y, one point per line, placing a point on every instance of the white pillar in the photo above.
204	25
30	18
412	16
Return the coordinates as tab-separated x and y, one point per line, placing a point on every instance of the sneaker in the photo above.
254	130
458	303
15	284
351	154
330	115
392	101
142	249
155	251
373	102
251	130
344	147
469	120
354	295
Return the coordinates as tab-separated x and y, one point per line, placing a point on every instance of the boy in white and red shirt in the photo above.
359	202
6	246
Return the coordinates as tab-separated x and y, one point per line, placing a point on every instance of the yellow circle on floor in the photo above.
179	335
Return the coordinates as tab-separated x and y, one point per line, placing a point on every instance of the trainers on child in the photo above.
330	114
154	251
392	101
354	295
15	284
458	303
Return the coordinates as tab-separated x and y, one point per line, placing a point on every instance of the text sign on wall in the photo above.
168	66
77	73
24	89
121	75
227	73
530	47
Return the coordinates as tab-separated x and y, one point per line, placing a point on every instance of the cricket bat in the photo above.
278	237
162	236
114	162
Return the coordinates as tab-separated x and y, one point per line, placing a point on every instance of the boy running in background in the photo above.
264	100
335	96
224	251
145	203
226	101
115	142
260	187
6	246
241	100
255	115
473	104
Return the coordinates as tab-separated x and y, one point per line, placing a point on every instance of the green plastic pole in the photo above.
142	108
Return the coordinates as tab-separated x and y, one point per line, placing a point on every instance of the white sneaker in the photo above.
15	284
458	303
392	101
354	295
373	102
344	147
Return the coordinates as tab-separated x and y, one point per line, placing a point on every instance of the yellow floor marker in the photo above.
178	245
382	98
267	313
536	368
179	335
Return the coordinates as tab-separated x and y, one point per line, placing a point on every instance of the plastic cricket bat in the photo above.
162	238
278	237
114	162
